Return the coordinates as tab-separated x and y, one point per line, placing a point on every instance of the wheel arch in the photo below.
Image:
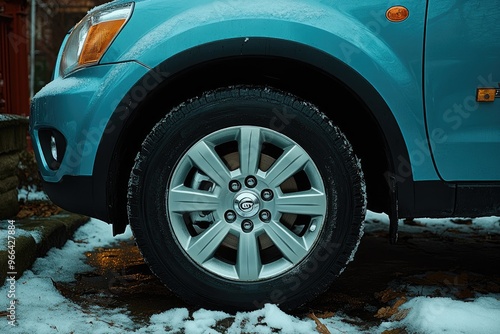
307	72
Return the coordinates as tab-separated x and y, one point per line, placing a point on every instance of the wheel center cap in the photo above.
246	204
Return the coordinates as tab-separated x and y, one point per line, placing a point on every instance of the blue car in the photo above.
244	141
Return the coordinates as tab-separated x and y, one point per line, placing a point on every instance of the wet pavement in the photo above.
121	279
380	278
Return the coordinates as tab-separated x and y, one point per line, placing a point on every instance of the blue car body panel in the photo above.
356	33
462	54
417	70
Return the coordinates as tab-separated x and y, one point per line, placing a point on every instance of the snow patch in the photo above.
467	226
62	263
31	194
41	309
270	319
171	321
445	315
35	234
204	321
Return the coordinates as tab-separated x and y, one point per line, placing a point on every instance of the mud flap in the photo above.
393	212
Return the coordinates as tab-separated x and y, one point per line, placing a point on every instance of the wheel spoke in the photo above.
291	246
290	162
249	148
207	160
202	247
184	199
248	264
227	191
311	202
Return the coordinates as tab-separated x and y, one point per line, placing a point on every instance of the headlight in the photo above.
91	37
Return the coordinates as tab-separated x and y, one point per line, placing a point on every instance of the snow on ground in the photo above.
31	194
35	234
40	308
464	226
444	315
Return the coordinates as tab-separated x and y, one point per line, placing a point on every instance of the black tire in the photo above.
174	200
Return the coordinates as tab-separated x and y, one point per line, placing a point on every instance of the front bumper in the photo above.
70	115
68	119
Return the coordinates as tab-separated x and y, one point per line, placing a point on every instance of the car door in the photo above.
462	55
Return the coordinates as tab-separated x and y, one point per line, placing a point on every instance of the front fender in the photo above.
388	55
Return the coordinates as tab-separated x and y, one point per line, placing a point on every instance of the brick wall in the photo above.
13	130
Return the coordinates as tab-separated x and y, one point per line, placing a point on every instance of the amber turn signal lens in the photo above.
486	94
397	13
98	39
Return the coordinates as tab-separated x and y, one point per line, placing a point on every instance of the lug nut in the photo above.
234	186
265	216
250	181
267	194
230	216
247	225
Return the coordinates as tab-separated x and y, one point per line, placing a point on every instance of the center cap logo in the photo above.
246	204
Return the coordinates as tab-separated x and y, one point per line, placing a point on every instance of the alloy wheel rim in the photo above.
246	203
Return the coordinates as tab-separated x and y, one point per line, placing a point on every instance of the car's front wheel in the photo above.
245	196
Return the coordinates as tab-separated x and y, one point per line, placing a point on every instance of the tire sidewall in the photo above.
169	142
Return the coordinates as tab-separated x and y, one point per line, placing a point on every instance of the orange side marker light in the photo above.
397	14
